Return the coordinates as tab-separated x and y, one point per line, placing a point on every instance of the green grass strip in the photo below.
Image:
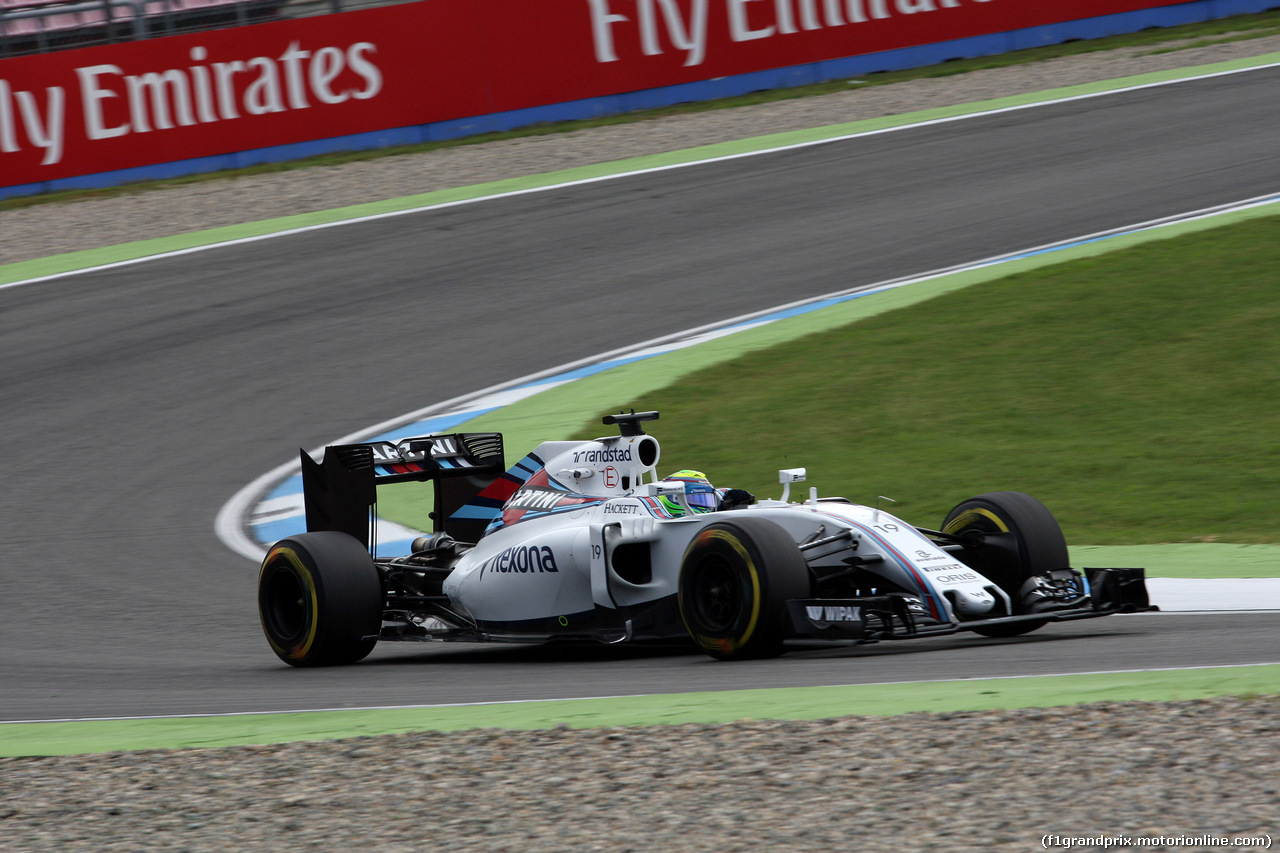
1135	394
70	261
557	412
572	409
803	703
1185	560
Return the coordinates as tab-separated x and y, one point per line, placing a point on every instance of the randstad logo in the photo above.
609	454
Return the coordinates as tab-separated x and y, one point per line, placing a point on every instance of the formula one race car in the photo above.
582	540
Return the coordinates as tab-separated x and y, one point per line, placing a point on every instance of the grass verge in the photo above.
1136	393
1133	391
799	703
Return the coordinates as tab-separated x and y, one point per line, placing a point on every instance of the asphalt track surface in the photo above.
134	402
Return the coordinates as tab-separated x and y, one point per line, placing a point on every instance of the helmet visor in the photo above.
701	498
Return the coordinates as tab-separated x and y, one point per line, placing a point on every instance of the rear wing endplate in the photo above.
340	491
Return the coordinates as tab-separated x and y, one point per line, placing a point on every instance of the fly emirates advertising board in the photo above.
113	107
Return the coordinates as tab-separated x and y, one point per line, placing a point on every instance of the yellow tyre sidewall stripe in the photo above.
724	644
972	514
301	650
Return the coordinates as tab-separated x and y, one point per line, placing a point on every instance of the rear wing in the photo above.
340	491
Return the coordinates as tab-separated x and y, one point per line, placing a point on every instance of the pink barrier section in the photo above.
49	23
122	106
90	18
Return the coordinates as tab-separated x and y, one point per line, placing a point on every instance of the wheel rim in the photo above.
286	605
1000	565
717	595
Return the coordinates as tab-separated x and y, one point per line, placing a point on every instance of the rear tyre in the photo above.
1022	539
320	599
735	580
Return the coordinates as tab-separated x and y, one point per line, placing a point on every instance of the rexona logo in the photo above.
523	559
116	103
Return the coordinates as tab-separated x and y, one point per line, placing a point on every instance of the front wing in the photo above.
893	617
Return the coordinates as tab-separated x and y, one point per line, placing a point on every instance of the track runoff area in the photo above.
264	510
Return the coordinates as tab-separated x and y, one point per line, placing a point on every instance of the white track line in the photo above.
629	695
650	170
231	520
229	523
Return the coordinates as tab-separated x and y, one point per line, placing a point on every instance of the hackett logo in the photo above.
116	103
748	20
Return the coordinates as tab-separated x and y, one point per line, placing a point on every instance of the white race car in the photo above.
583	540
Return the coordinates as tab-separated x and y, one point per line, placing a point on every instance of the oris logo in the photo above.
960	578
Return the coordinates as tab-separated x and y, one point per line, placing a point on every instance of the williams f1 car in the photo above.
583	541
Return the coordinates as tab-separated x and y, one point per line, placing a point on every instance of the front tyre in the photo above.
1019	538
320	599
735	580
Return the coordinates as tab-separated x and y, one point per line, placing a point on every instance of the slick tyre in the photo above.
735	580
1021	538
320	599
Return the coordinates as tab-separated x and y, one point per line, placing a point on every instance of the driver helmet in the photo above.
698	491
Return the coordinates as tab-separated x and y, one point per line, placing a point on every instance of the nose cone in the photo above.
972	602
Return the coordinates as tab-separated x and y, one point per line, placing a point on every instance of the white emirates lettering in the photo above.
748	20
202	93
43	129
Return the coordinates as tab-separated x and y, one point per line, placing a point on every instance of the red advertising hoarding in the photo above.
114	107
